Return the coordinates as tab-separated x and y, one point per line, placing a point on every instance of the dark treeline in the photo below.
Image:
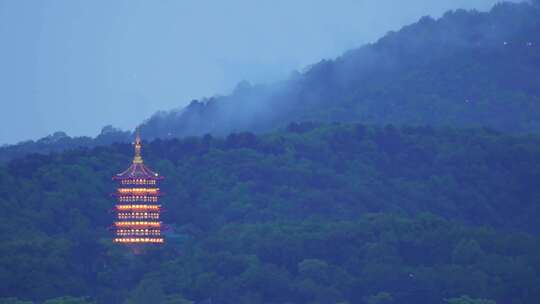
60	141
310	214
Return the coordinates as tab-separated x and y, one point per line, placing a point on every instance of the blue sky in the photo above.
76	66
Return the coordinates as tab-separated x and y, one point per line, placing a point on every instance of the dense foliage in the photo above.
310	214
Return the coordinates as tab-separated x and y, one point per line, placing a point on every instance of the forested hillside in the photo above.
467	68
310	214
60	141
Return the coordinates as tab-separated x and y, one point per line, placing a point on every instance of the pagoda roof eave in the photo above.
117	177
137	171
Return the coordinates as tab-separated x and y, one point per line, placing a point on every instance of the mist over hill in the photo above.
467	68
311	214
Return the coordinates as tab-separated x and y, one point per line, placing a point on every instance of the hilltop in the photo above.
466	69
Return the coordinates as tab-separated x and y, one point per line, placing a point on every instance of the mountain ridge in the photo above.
465	69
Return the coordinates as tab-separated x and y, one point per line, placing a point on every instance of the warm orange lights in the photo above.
138	240
138	215
138	207
137	198
138	224
138	191
138	232
138	182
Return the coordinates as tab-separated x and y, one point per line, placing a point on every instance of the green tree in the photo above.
380	298
468	300
69	300
177	299
147	291
314	269
14	301
467	252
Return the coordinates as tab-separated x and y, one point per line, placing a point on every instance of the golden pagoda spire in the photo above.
138	158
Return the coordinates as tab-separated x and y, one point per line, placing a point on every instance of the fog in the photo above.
76	66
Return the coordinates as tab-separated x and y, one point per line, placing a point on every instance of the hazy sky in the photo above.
76	65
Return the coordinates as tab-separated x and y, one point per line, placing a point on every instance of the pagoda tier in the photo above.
138	192
137	207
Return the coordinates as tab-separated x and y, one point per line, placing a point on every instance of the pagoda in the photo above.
137	207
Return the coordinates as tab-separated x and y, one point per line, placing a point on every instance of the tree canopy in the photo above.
310	214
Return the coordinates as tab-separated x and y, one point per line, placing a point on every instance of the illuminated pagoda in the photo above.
138	210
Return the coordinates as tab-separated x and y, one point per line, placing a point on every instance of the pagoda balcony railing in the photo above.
138	224
138	230
138	217
158	233
138	191
138	182
139	207
162	227
135	240
141	188
117	194
146	199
